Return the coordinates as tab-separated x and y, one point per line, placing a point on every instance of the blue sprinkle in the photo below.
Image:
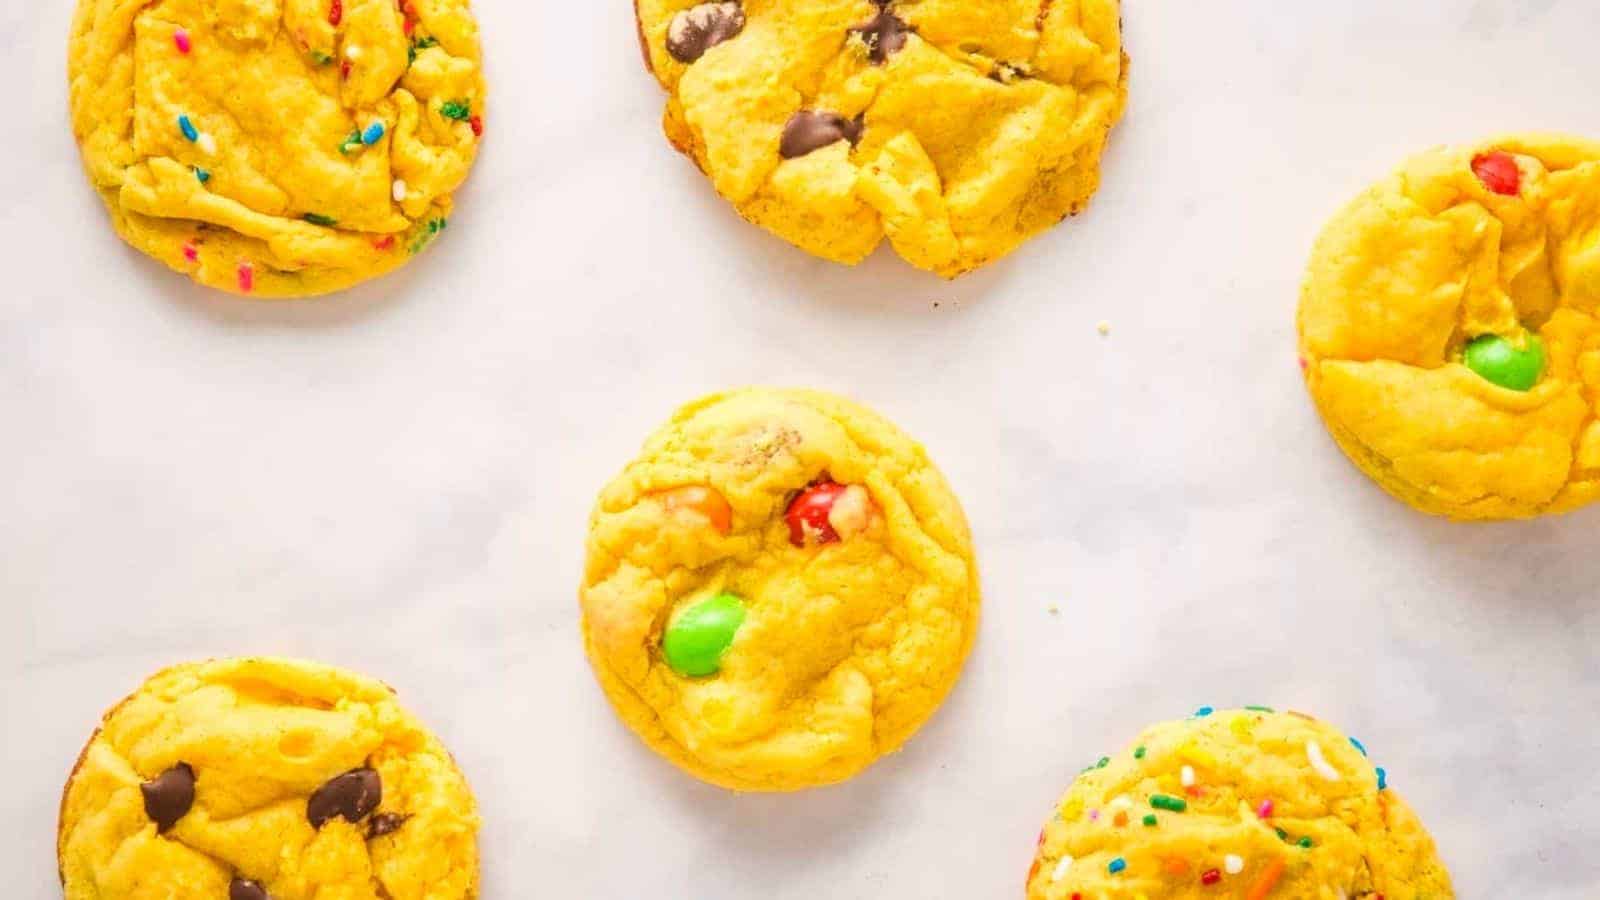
1359	746
202	175
373	134
188	129
1383	779
1117	865
1203	711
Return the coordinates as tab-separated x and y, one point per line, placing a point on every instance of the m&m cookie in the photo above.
779	590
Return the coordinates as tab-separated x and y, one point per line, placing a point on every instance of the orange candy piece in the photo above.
702	500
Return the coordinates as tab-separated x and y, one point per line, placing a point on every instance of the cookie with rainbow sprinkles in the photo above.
779	591
1243	803
1450	329
277	148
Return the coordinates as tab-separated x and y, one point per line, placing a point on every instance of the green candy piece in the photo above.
1498	361
700	635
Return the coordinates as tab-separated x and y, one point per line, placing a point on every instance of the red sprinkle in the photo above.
409	9
190	253
477	125
1265	810
336	12
409	26
247	278
344	69
1303	364
1032	871
181	39
1210	876
1499	173
386	243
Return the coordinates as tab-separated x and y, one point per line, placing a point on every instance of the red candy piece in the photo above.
336	12
1499	173
808	513
1210	876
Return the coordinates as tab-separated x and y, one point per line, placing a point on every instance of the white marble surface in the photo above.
397	479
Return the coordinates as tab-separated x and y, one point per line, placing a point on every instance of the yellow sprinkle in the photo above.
1191	752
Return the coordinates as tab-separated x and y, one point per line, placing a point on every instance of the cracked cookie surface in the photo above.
1246	803
977	124
266	778
277	148
832	563
1497	242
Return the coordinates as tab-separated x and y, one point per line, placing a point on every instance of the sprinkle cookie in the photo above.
955	129
266	779
1450	329
1248	803
277	148
779	590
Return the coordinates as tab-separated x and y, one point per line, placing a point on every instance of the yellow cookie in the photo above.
249	779
1246	803
955	129
779	590
279	148
1450	329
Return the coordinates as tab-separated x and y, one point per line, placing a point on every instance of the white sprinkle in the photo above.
1233	865
206	143
1320	763
398	190
1122	802
1104	327
1187	776
1061	869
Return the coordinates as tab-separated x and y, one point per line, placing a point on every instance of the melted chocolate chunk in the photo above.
169	796
385	823
695	30
352	796
885	34
809	130
245	889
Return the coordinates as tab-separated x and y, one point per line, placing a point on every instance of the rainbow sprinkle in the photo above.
1264	811
1359	746
1203	711
1150	820
460	110
1210	877
336	12
201	175
206	143
320	219
1232	864
1383	779
1265	709
187	127
1320	762
1304	842
1060	870
1116	865
373	134
247	278
1139	753
181	39
1103	762
190	253
1170	804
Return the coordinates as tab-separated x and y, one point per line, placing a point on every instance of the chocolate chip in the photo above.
885	34
353	795
385	823
168	796
695	30
809	130
245	889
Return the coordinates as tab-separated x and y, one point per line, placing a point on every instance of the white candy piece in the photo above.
1061	869
1232	864
398	190
1187	776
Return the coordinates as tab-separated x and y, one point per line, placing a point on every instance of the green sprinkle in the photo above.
460	110
1282	835
1265	709
418	45
426	234
320	219
1169	803
1139	753
320	58
1305	842
350	143
1150	821
1104	761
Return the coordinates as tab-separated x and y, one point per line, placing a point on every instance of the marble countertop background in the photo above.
397	479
